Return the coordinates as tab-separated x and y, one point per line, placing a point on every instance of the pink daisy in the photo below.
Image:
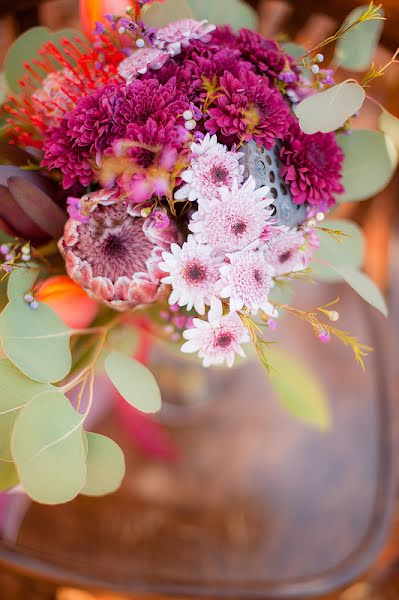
114	256
235	220
286	252
217	340
177	35
193	273
212	166
246	281
140	62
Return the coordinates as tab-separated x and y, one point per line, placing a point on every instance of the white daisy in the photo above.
246	281
193	273
235	220
218	339
177	35
212	166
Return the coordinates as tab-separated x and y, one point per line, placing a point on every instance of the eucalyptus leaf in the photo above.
238	14
281	293
158	15
8	476
36	341
339	250
26	49
364	286
47	447
294	50
134	382
370	162
17	390
22	280
329	110
105	466
299	389
390	126
355	50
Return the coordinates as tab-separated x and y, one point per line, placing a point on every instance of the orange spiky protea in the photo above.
69	74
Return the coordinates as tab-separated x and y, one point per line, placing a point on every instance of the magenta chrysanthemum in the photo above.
267	57
312	166
114	256
248	108
112	113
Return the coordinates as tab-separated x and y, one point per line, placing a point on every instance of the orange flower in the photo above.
68	300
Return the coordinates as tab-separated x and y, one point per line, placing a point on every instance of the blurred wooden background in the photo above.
309	21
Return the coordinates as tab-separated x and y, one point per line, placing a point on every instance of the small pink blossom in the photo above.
286	252
212	166
140	61
218	339
246	281
177	35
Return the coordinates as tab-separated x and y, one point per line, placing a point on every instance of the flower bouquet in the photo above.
171	177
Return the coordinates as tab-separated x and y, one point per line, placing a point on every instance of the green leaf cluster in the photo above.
43	445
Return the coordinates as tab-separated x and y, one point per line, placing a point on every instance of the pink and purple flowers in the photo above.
167	206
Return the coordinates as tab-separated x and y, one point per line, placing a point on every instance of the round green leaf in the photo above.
238	15
26	49
294	50
17	391
158	15
370	162
337	251
8	476
22	280
36	341
48	450
355	50
329	110
300	392
390	126
364	286
134	382
105	466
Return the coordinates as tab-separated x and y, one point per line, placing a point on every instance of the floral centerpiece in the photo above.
170	178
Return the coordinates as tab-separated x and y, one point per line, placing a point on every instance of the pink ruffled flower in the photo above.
312	167
212	167
177	35
193	272
286	252
246	281
115	256
140	62
217	340
246	109
234	220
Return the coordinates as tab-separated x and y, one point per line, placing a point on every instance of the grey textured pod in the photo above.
264	166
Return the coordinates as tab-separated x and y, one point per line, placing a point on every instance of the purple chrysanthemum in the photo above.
312	166
248	108
114	256
105	116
